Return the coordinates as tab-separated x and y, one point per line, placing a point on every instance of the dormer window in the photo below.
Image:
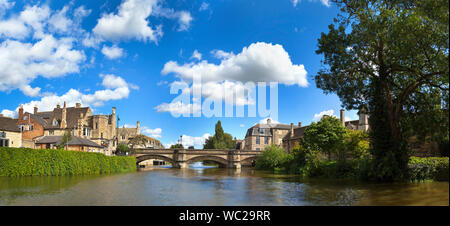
54	123
25	117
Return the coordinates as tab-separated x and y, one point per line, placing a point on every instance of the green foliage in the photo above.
176	146
356	144
65	139
139	140
273	158
122	149
390	56
433	168
50	162
325	136
220	140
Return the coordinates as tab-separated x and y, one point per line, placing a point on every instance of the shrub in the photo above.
51	162
432	168
273	158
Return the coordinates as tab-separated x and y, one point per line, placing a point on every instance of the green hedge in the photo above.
51	162
432	168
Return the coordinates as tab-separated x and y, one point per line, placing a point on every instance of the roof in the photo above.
298	133
9	124
72	115
127	131
266	129
75	141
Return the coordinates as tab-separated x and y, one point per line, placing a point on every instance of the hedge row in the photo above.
51	162
432	168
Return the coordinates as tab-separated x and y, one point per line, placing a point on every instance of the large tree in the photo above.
220	140
326	136
391	58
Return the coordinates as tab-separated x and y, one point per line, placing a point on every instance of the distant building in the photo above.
10	134
100	129
126	134
262	135
31	126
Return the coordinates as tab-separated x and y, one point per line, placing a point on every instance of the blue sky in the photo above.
113	53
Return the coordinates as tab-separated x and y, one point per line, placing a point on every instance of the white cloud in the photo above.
196	55
8	113
324	2
260	62
129	22
220	54
49	57
317	117
112	52
187	141
51	51
178	108
155	133
184	17
295	2
241	125
116	89
264	121
204	6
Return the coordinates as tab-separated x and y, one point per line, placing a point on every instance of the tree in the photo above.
65	139
139	140
272	157
122	149
326	136
356	144
176	146
220	140
391	58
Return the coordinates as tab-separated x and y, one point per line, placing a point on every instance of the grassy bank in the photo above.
45	162
311	166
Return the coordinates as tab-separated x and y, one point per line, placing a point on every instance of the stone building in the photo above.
10	134
31	126
100	129
262	135
126	134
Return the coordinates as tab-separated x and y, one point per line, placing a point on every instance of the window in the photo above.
261	130
101	135
257	140
31	127
21	128
266	140
51	132
258	149
4	142
96	125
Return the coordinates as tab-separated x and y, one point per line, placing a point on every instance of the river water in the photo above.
203	185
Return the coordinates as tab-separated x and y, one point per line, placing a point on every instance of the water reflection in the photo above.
203	185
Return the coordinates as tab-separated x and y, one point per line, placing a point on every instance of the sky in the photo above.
129	53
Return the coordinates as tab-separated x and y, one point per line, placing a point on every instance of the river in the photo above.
203	185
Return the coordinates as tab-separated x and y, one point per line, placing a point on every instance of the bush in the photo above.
273	158
51	162
432	168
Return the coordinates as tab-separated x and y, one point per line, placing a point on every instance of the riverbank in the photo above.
310	165
45	162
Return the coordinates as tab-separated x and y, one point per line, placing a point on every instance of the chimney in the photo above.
269	121
138	127
78	105
342	117
58	106
299	124
1	115
292	130
63	117
20	112
35	109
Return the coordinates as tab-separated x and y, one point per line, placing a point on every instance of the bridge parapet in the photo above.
181	158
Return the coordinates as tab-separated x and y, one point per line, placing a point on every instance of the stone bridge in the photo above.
181	158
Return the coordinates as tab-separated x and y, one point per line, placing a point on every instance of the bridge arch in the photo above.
154	156
222	162
249	161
